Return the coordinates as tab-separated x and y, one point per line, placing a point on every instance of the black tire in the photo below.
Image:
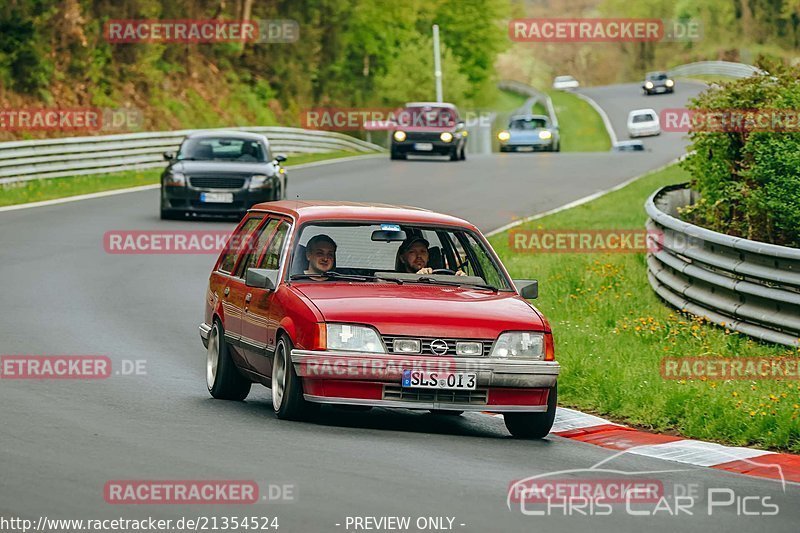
287	390
464	153
454	154
394	155
223	380
533	425
167	214
503	149
446	412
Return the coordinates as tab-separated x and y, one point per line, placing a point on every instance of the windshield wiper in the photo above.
337	275
457	284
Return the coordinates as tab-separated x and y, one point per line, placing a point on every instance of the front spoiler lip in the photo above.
428	405
491	372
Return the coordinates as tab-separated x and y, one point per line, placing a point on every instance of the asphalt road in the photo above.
62	441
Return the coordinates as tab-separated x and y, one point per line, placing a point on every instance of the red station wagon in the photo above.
376	306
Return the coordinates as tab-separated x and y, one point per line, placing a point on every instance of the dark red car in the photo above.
376	306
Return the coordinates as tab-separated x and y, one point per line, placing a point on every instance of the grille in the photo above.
425	343
473	397
217	182
426	136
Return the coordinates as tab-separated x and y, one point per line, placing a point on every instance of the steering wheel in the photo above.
445	271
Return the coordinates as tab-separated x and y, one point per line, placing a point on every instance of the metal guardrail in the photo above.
743	285
521	88
78	156
716	68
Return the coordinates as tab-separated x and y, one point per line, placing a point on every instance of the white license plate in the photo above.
422	379
423	147
525	149
661	89
216	197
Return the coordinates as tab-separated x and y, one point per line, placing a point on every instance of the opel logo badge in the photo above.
439	347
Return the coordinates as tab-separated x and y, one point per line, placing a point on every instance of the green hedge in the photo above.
749	180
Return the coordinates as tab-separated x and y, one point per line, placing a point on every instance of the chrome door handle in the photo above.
248	298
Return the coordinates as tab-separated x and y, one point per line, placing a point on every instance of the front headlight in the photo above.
520	344
175	179
446	136
258	181
669	83
544	134
399	136
649	84
503	136
350	338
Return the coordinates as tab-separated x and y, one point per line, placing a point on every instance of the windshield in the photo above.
429	117
348	249
223	148
657	76
647	117
527	124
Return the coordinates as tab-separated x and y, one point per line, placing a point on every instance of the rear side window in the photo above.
236	243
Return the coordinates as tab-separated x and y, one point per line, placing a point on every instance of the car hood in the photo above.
423	310
222	167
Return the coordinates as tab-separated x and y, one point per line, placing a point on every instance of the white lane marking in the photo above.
603	115
581	201
569	419
115	192
695	452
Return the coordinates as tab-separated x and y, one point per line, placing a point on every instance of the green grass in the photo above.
508	101
611	333
49	189
581	128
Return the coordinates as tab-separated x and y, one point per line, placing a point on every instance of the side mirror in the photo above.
280	158
261	278
169	156
528	288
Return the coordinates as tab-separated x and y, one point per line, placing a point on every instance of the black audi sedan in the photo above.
658	82
429	128
221	173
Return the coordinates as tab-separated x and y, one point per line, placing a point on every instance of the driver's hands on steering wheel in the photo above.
429	270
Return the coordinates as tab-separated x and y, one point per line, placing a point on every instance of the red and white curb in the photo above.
591	429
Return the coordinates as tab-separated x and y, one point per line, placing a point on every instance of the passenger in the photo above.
412	257
321	256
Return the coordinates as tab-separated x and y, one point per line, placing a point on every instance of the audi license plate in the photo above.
423	147
422	379
216	197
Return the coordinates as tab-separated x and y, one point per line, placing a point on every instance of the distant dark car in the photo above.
628	146
429	128
658	82
221	173
529	133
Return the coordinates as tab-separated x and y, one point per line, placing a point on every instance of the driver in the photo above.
413	256
321	256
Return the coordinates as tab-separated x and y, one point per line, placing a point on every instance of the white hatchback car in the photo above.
565	83
643	123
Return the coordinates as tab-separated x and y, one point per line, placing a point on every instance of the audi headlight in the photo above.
350	338
446	136
259	181
669	83
544	135
520	344
649	84
175	179
503	136
399	136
